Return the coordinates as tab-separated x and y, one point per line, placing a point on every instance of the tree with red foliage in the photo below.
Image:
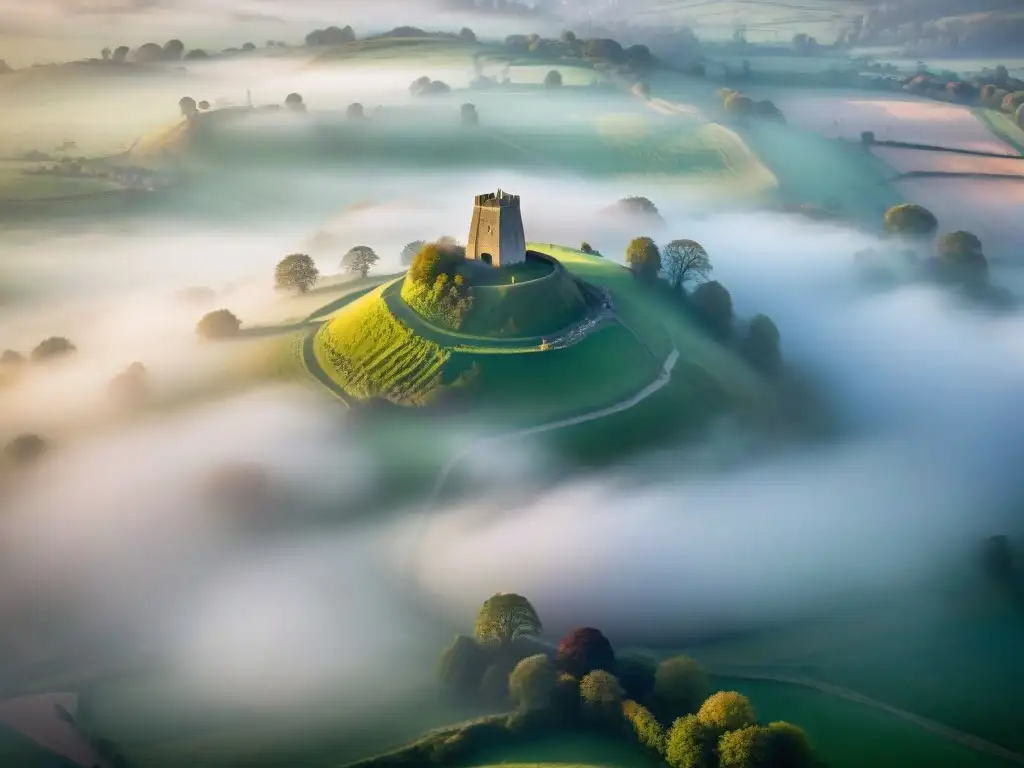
584	650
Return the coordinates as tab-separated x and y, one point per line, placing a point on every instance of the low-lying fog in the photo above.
112	534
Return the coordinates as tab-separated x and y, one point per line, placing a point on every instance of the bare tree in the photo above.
684	261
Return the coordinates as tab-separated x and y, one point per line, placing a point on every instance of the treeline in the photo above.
940	26
667	708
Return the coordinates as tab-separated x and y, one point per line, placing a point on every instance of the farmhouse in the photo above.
496	233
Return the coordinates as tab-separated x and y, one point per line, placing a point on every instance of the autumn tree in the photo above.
504	617
583	650
727	711
643	258
359	260
684	261
296	271
911	220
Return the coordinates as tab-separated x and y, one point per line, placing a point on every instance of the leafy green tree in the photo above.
637	206
174	50
680	686
295	103
359	260
743	748
53	348
760	346
467	35
410	251
219	324
196	54
712	306
636	673
532	682
584	650
587	248
690	744
911	220
601	696
727	711
568	37
25	449
462	666
685	261
553	79
787	746
297	271
960	259
565	699
121	54
503	618
432	261
644	258
646	728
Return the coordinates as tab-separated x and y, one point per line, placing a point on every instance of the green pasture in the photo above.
399	50
847	734
567	751
962	670
16	185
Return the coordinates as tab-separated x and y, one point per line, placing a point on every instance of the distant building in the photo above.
496	234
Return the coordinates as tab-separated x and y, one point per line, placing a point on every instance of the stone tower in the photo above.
496	234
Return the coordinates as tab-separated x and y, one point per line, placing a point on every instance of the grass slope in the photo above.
1004	126
567	751
851	735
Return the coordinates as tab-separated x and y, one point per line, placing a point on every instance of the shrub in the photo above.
680	686
584	650
760	346
503	618
636	673
646	728
53	348
788	746
25	449
494	685
532	682
553	79
296	271
743	748
601	695
712	307
219	324
910	219
462	665
690	744
727	711
643	258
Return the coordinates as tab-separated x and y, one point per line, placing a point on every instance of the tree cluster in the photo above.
330	36
424	86
665	706
435	286
681	263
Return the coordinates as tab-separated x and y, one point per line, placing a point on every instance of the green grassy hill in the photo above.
378	347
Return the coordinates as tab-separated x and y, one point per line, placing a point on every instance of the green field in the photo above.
16	185
851	735
569	751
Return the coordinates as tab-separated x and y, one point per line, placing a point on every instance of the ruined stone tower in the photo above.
496	234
